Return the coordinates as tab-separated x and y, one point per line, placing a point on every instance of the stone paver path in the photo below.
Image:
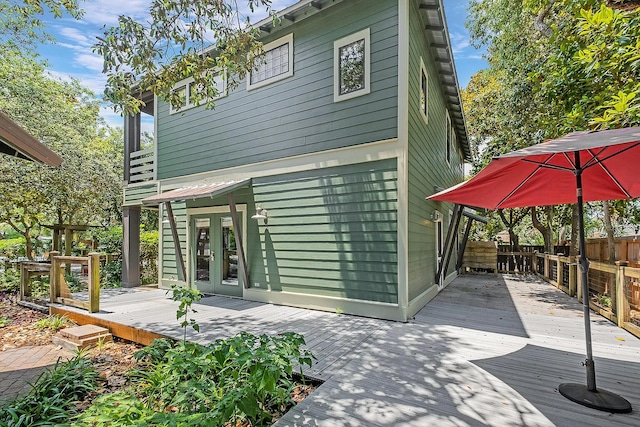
21	366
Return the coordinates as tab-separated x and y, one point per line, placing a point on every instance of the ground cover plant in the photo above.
245	380
52	399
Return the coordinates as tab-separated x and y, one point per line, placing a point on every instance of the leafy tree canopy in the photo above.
21	24
183	38
63	115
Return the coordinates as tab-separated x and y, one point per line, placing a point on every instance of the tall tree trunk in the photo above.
608	226
28	241
514	219
544	228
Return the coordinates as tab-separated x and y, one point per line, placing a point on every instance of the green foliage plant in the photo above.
246	377
9	280
52	322
149	257
53	396
5	321
186	297
604	300
12	248
111	275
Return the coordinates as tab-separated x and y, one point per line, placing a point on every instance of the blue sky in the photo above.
72	55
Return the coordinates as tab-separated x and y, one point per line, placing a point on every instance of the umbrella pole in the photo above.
584	278
589	396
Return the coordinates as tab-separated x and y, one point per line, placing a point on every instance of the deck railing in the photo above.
614	289
59	288
142	165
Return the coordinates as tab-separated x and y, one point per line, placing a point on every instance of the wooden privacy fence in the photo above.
614	289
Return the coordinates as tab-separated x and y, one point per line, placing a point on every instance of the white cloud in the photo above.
90	61
80	38
106	12
459	41
92	81
110	117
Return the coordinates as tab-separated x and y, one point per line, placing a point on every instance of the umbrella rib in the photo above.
597	161
593	161
524	181
545	165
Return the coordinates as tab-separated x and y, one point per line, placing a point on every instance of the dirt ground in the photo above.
112	360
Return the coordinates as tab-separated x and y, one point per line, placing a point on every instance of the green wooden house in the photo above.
306	185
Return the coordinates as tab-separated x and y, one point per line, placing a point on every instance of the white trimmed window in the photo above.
187	87
352	66
276	64
448	148
424	92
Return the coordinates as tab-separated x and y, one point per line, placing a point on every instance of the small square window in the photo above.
276	64
424	92
352	66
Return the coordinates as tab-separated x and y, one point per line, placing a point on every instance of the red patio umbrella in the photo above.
579	167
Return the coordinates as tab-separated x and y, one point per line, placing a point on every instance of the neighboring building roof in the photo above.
436	30
15	141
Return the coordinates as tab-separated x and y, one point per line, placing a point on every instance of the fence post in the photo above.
572	276
94	282
560	271
622	302
53	276
546	265
579	287
24	280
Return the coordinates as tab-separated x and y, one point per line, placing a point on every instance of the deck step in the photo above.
81	336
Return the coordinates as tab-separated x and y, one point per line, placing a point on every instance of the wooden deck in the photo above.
489	350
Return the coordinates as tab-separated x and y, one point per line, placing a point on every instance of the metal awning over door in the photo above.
210	190
197	191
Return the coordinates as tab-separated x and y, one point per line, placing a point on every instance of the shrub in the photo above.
10	280
149	257
111	275
246	377
13	248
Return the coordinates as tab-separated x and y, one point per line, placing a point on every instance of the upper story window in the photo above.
424	92
352	66
186	88
449	138
276	64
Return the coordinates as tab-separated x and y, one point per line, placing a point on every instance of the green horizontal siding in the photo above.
169	265
427	166
296	115
330	232
133	195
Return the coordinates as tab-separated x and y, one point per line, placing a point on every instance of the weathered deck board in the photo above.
489	350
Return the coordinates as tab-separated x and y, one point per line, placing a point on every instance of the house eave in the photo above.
17	142
433	15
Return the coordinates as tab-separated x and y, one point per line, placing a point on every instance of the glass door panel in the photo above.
203	254
226	266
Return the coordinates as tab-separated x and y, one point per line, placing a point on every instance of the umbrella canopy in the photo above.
544	174
581	166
